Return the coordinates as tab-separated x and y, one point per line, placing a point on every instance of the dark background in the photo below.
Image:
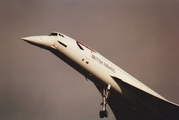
140	36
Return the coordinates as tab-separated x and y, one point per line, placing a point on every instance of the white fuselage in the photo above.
90	60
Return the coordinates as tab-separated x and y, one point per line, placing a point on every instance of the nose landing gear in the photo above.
105	94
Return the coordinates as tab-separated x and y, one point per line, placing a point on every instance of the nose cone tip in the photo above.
25	38
34	39
38	40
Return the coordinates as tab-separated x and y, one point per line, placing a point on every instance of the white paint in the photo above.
92	61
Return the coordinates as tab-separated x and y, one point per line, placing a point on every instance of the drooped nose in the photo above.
39	40
33	39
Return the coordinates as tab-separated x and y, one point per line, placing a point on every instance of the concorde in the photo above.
128	98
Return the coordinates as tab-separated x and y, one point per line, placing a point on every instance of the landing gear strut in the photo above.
105	94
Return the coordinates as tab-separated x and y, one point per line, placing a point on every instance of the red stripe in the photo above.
85	46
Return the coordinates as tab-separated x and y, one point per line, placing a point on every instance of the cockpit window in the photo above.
61	35
53	34
56	34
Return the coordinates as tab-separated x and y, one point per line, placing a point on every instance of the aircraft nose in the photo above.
39	40
32	39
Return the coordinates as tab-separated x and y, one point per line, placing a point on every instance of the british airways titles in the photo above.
103	63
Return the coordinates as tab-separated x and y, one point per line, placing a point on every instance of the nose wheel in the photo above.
105	94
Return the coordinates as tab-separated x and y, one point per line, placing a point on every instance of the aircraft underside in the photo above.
135	104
